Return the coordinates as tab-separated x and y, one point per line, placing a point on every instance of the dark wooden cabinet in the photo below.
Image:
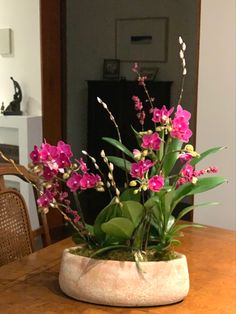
118	96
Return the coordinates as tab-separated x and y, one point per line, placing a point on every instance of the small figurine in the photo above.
2	108
14	107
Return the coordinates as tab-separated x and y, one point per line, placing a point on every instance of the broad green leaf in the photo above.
203	155
90	228
133	211
171	156
119	227
118	145
190	208
152	201
120	162
108	212
128	195
167	199
202	185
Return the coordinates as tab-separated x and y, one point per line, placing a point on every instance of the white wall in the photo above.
24	62
91	39
22	17
216	106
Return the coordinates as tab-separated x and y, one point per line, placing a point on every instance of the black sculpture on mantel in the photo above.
13	109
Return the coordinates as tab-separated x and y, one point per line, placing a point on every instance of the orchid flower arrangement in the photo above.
160	172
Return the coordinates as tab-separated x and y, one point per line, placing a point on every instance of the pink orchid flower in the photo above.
156	183
161	115
151	141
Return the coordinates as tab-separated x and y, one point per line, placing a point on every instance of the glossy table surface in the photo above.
31	284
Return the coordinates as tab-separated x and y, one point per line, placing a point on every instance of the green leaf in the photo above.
137	135
202	185
108	212
203	155
120	162
171	156
90	228
170	223
205	184
118	227
152	201
133	211
190	208
108	248
167	199
128	195
174	231
118	145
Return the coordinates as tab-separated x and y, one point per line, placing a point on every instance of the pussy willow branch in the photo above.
181	55
118	134
99	170
181	90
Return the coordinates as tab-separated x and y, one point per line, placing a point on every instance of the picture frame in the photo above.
149	72
142	39
111	69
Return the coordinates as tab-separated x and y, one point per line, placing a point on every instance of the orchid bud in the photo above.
65	176
133	183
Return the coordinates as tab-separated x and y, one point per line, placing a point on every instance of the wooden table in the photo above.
31	285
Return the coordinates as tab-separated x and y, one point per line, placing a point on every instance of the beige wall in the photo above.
216	106
24	62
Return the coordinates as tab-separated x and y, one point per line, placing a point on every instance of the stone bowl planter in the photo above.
122	283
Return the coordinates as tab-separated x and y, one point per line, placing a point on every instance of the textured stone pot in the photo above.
122	283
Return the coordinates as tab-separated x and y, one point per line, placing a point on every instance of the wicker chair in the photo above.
16	235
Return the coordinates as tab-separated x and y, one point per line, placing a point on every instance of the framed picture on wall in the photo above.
149	72
141	39
111	69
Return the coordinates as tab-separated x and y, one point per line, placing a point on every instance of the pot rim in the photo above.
66	251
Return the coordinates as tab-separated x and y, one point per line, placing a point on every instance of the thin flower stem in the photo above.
79	208
147	93
69	220
147	231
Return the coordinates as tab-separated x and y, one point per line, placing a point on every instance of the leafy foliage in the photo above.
160	172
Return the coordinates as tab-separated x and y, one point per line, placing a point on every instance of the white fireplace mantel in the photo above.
24	131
